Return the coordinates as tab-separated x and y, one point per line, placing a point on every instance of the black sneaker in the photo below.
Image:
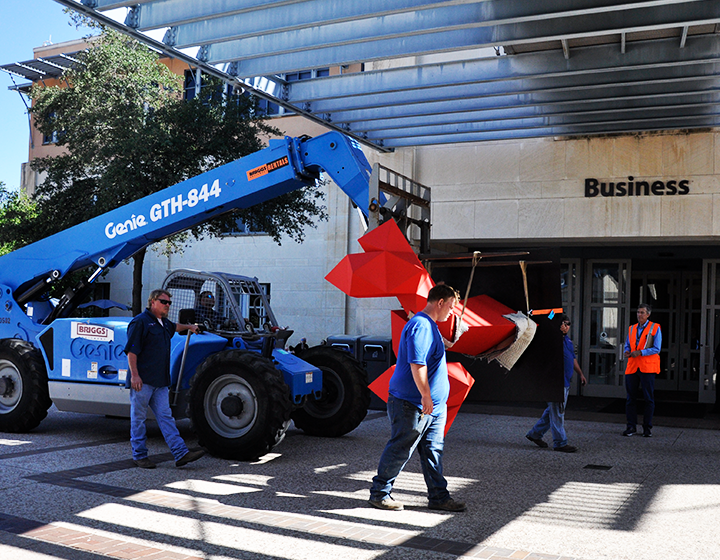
566	449
189	457
537	441
629	432
647	432
144	463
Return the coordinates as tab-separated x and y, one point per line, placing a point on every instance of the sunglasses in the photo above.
566	323
165	301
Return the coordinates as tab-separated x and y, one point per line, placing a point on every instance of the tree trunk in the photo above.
137	302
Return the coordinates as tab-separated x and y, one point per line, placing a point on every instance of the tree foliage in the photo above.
17	214
127	133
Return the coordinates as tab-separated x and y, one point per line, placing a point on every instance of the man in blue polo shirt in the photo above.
554	416
148	352
417	406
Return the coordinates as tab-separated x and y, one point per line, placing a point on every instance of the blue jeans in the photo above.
632	382
552	419
410	428
158	399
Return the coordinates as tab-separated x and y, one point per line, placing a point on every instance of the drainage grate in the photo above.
598	467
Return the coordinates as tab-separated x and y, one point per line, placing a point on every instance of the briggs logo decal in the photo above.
267	168
91	332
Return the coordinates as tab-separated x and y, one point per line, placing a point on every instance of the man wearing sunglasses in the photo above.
148	352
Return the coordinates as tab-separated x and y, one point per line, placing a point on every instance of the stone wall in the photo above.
534	190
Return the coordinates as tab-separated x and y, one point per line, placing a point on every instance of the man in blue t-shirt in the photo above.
417	406
554	416
148	352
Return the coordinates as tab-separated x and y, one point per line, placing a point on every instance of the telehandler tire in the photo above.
345	395
239	405
24	397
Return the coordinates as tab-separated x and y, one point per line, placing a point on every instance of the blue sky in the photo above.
25	24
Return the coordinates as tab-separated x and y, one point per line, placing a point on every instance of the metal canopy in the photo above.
38	69
436	72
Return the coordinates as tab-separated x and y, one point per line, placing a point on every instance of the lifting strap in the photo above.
523	269
477	255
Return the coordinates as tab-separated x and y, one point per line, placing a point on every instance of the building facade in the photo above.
636	219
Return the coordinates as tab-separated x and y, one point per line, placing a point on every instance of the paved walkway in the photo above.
70	492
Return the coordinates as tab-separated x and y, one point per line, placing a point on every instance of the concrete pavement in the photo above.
70	491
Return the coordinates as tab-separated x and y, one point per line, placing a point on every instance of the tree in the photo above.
128	133
17	215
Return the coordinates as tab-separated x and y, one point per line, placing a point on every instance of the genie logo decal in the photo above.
91	332
168	207
80	348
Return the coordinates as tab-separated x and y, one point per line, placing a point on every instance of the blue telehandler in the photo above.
235	381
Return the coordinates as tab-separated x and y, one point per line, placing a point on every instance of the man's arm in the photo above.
576	367
627	346
135	381
420	376
182	327
657	343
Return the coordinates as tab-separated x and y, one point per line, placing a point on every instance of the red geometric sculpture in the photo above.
387	268
484	317
488	327
460	384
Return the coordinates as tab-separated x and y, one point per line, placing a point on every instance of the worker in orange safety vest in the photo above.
642	350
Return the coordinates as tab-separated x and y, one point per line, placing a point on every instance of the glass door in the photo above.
676	301
709	331
605	326
660	290
689	331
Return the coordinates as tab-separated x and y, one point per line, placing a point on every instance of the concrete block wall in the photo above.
534	190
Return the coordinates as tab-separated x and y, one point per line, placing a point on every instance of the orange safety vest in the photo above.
645	364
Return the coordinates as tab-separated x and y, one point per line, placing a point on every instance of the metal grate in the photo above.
222	302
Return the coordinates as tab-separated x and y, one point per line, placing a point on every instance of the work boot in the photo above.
189	457
144	463
449	505
537	441
386	503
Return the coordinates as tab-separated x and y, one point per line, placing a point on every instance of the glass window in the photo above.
242	228
605	284
603	369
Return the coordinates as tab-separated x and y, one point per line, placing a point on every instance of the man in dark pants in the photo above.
642	350
148	352
417	406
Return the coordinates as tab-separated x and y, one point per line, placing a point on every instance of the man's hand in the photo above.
583	380
427	404
135	382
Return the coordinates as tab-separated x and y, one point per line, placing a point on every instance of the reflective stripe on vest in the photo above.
645	364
